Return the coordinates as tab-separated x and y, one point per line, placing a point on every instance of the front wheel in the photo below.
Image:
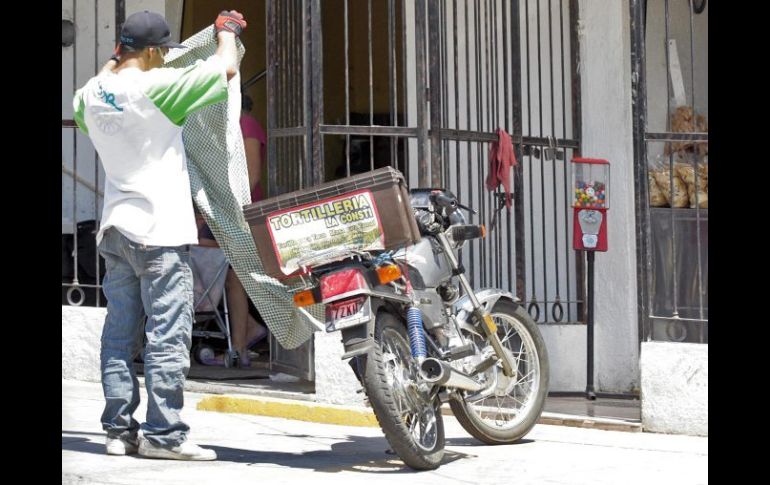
511	406
409	415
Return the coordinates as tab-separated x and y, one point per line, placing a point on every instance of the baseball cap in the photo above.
146	29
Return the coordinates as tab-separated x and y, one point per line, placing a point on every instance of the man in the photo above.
133	111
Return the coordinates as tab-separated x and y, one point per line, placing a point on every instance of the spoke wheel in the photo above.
408	414
509	406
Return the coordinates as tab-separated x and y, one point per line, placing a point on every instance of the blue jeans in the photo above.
155	282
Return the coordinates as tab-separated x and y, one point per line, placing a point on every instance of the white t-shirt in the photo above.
134	119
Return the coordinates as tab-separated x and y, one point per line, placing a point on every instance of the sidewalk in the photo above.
261	449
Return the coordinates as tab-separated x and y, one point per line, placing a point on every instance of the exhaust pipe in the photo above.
440	373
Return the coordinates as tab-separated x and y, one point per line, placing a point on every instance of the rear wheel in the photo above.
513	404
409	414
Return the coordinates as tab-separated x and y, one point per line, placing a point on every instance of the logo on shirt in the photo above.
108	98
108	116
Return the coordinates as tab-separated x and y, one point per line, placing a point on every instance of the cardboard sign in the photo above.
348	221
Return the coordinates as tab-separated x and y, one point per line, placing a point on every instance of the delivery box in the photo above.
369	211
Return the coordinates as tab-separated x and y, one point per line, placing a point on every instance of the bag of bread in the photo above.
677	197
657	199
703	147
703	199
696	185
683	120
703	186
703	171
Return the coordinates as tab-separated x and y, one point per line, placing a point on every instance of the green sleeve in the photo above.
181	91
79	107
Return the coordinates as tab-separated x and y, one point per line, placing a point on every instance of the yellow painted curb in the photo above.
351	416
280	408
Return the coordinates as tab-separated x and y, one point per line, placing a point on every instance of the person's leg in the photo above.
121	341
167	294
255	332
238	305
245	329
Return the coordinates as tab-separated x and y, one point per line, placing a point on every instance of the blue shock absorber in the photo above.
416	337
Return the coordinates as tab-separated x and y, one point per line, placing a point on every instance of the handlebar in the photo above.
465	207
442	200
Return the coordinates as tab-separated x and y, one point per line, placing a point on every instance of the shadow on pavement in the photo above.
364	454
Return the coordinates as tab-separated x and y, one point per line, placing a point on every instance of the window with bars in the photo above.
669	52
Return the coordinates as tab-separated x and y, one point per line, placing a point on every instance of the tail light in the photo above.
341	282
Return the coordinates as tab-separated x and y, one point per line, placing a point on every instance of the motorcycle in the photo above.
418	336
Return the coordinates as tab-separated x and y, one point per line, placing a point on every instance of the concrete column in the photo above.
81	331
335	382
675	380
607	133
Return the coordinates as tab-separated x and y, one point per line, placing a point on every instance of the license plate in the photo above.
347	313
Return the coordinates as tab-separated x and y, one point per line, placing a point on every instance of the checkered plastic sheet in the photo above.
220	186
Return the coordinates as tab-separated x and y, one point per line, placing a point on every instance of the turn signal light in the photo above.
388	273
304	298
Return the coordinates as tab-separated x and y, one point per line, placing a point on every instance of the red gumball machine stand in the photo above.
590	202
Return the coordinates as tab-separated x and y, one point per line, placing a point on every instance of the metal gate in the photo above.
422	85
511	65
88	38
670	104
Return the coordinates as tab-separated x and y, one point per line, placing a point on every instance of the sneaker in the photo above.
185	451
120	446
245	360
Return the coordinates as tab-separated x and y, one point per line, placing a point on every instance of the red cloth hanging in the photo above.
501	159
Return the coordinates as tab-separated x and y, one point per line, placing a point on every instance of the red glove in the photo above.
231	21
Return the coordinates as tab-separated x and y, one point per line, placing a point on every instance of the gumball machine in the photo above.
590	183
590	201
